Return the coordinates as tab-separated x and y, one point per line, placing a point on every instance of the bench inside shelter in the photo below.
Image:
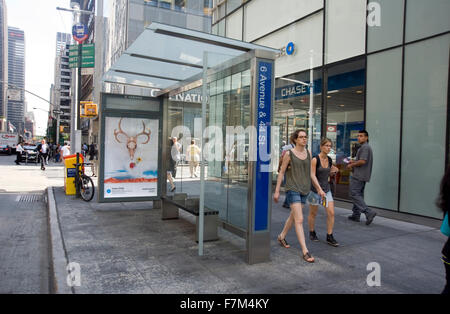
170	210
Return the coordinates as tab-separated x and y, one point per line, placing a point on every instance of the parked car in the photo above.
5	149
30	154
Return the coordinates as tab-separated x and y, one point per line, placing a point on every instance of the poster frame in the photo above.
128	112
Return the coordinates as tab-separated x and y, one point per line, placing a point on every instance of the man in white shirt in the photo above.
43	150
19	150
65	150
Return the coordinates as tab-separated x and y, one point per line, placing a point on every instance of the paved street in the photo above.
24	255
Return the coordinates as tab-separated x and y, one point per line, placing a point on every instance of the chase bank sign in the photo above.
287	50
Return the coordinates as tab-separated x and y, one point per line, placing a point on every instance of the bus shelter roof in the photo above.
164	56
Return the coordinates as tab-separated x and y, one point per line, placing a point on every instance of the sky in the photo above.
40	21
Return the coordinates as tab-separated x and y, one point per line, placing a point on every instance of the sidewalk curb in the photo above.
58	256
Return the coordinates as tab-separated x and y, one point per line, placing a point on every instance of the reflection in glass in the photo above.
292	109
345	116
226	188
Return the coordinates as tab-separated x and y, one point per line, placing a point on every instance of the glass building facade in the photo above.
377	65
3	65
16	77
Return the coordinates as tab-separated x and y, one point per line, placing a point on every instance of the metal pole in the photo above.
77	175
79	89
202	161
57	129
311	101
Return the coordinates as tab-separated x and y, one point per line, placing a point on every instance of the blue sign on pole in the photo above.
80	32
263	177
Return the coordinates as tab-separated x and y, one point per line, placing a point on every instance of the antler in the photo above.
144	133
116	133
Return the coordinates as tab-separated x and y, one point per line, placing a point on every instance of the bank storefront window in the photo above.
345	116
292	107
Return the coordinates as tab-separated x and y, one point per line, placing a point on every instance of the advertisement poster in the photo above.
131	157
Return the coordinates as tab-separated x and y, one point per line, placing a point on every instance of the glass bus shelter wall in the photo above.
226	175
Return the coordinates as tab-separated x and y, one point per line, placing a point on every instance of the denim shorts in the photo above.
314	198
295	197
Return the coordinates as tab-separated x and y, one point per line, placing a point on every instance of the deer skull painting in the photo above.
131	141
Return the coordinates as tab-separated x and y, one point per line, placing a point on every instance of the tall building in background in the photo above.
16	78
30	127
60	91
127	19
3	65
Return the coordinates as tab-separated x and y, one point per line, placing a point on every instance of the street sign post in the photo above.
87	56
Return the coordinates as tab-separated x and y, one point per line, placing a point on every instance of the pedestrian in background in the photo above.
322	168
193	152
362	171
43	152
171	167
19	151
298	186
57	153
444	204
93	158
65	150
175	152
84	150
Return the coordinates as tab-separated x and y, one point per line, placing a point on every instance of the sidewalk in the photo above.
127	248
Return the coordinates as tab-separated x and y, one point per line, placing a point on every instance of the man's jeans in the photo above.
357	196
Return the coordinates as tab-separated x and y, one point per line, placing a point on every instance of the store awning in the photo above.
163	56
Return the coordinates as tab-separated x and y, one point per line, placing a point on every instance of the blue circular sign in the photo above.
290	48
79	32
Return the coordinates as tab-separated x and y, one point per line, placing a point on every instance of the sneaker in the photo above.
313	236
331	240
370	218
353	218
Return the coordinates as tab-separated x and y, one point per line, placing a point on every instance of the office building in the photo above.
378	65
60	92
16	78
3	66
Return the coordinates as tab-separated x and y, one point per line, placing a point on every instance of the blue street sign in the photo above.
263	176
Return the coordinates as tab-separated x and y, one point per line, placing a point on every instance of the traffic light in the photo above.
61	128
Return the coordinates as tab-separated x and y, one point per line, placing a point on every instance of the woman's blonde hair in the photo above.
325	140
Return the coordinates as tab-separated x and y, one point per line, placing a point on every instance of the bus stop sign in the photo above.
79	32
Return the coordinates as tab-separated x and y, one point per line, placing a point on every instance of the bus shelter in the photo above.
215	95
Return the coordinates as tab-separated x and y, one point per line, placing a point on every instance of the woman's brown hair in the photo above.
294	135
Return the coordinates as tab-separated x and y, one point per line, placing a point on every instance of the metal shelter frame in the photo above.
170	60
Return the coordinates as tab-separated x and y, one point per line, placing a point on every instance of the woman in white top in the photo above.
193	152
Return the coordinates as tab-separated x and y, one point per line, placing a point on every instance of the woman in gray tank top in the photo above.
322	167
297	162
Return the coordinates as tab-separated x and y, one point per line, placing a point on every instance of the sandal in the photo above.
283	242
307	257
